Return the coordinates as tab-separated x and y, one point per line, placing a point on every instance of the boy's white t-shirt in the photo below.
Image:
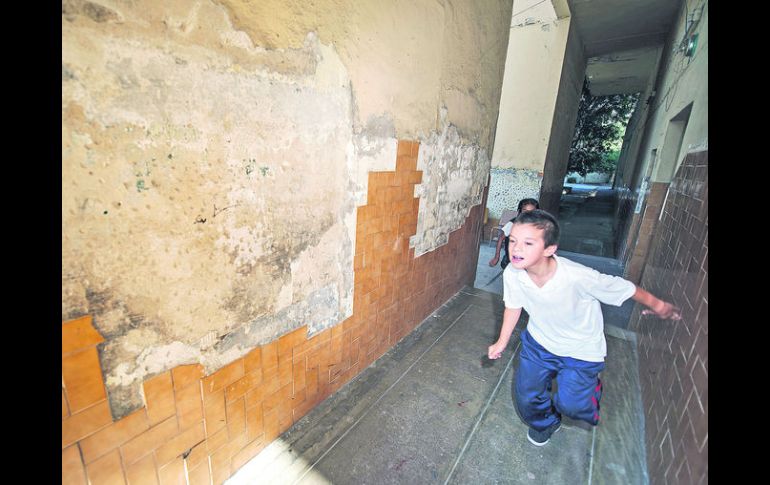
565	315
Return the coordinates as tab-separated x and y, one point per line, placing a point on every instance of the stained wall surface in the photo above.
533	77
200	428
214	155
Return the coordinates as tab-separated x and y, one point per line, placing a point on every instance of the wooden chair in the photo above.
496	232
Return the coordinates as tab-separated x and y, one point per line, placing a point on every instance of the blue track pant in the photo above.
578	393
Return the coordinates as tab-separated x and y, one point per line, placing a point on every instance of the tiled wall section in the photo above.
639	238
674	355
625	222
197	428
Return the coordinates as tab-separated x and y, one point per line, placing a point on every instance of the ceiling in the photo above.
622	40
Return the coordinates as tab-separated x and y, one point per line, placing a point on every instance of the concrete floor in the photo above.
585	216
433	409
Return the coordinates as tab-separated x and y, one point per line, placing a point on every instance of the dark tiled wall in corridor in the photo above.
200	429
673	356
640	237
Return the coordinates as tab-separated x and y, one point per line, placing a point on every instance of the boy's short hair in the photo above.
542	220
524	202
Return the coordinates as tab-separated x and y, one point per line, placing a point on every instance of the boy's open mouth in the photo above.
517	258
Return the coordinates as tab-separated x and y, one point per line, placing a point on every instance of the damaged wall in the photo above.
536	53
214	154
564	119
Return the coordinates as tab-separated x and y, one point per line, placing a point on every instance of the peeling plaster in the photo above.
211	168
453	180
190	191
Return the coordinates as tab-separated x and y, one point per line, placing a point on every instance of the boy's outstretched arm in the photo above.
510	319
661	308
500	240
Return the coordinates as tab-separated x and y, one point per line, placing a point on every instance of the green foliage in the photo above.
601	123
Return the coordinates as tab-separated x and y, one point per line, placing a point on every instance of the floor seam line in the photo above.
382	396
482	413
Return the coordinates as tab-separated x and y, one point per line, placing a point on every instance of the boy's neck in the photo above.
543	271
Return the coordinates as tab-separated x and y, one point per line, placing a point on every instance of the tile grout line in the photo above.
382	396
482	413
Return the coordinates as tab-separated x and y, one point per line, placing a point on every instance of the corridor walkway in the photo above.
434	410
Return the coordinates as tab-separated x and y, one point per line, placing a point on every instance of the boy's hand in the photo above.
493	261
665	311
495	350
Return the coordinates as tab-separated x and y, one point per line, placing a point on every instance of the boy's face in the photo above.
527	246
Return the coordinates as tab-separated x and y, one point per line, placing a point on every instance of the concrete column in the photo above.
539	68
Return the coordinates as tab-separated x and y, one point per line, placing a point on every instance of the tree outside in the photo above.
601	124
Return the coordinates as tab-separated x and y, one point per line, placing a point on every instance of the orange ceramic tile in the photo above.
298	378
364	214
406	164
197	455
254	422
220	466
243	385
172	473
340	330
271	426
84	423
297	399
142	472
78	334
274	400
159	397
72	470
282	418
311	381
82	377
253	360
290	340
176	446
254	396
214	412
269	355
114	435
185	375
270	380
236	417
248	452
65	409
149	440
189	407
284	371
400	176
217	441
305	407
223	377
220	460
199	475
336	370
107	470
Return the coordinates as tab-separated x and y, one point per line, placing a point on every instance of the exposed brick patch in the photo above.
674	355
216	423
